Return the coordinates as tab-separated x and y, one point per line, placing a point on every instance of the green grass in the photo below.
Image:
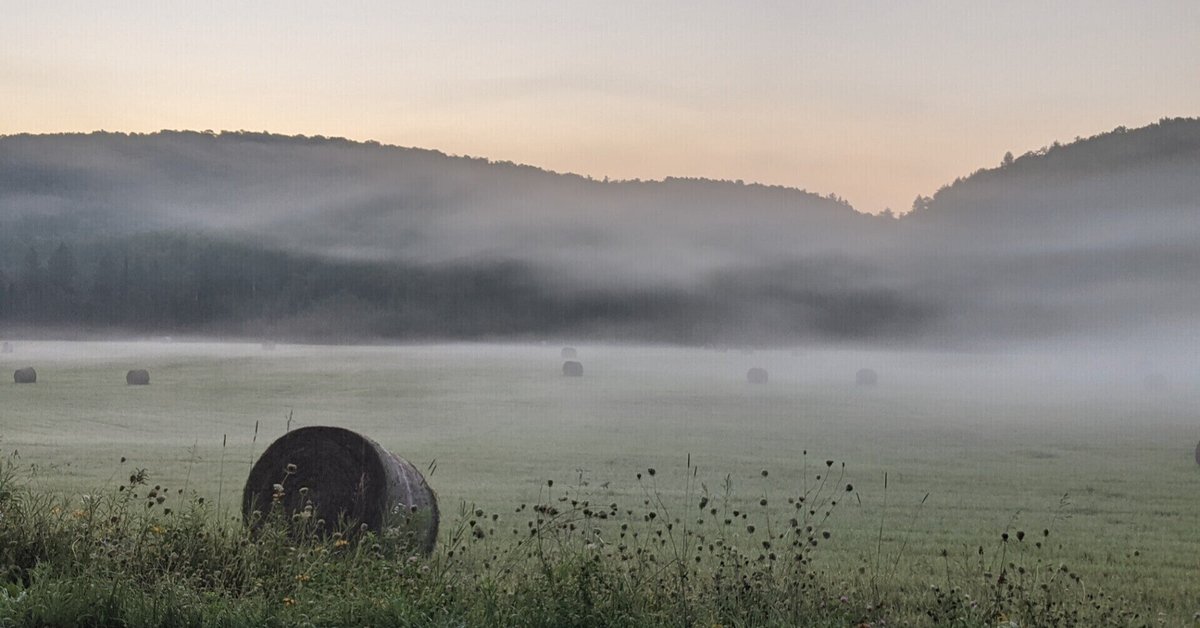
998	444
142	556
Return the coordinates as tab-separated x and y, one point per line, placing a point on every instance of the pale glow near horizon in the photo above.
875	102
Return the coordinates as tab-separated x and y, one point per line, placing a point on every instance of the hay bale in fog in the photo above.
866	377
572	369
137	377
6	347
25	376
756	375
569	353
347	477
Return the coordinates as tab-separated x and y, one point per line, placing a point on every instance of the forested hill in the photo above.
350	200
331	240
1148	178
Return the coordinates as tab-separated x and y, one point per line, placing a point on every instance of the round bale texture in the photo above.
866	377
349	478
572	369
756	375
25	376
569	353
137	377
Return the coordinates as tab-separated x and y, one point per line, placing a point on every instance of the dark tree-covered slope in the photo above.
328	239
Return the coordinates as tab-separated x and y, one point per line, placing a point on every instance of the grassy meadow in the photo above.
1074	452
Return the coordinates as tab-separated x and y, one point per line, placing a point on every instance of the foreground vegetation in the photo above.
147	555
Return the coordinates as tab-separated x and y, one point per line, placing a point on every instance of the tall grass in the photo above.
681	555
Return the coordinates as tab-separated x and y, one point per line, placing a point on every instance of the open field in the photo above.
999	442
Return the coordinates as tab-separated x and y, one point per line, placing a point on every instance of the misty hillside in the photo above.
327	239
364	201
1098	236
1123	182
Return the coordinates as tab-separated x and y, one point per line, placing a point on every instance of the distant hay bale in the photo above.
25	376
569	353
268	345
756	375
866	377
572	369
137	377
6	347
346	477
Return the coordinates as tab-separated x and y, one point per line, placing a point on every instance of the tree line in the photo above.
179	284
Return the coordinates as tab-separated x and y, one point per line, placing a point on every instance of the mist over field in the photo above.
946	452
1030	331
557	315
329	240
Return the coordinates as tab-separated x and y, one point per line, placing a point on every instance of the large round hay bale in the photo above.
569	353
572	369
345	477
6	347
866	377
25	376
137	377
756	375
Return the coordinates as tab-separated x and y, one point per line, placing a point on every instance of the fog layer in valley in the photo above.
330	240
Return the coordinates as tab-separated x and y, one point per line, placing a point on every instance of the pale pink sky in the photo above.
874	101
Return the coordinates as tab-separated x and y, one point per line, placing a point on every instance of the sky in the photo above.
876	102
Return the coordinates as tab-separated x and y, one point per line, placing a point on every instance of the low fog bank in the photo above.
1037	386
333	241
